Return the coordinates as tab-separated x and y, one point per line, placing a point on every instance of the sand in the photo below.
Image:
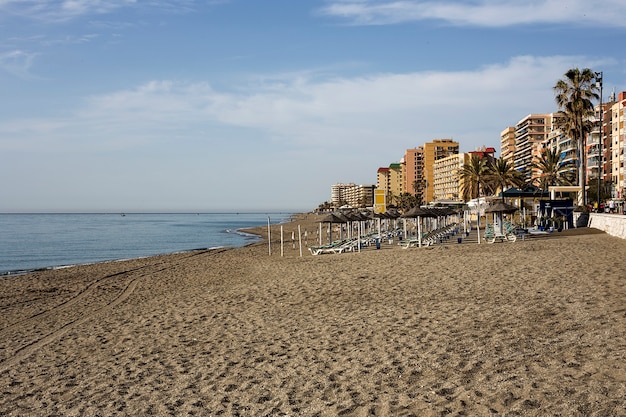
530	328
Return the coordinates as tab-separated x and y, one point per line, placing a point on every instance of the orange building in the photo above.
433	151
413	164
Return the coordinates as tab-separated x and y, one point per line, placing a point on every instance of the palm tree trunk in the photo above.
583	170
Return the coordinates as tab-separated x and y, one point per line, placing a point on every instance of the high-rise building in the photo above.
447	179
507	144
599	147
565	147
433	151
530	133
413	163
617	153
338	193
391	180
352	195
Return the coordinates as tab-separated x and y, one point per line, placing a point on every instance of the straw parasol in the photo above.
498	208
330	218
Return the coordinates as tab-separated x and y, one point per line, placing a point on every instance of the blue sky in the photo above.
209	105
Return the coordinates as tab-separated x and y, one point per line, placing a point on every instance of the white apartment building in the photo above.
352	195
530	133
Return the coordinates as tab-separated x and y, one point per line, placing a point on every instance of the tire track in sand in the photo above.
78	316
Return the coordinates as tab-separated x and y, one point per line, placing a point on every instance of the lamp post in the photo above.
601	136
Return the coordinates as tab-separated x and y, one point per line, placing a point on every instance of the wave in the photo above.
240	232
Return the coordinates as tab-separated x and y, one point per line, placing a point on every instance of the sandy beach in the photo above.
530	328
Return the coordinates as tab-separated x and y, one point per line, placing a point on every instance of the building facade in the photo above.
447	179
434	151
413	163
617	137
530	134
351	194
391	180
507	144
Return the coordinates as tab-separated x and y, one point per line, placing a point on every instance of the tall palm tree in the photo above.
552	169
502	174
473	174
574	95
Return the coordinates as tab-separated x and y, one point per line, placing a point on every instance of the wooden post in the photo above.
269	236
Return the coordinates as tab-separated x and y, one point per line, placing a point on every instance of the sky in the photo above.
262	105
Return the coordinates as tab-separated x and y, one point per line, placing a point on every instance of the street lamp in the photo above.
600	133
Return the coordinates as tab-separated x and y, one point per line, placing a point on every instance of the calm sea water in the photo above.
36	241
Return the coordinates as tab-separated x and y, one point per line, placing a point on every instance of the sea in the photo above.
30	242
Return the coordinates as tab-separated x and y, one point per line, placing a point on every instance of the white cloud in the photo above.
17	62
170	138
488	13
403	110
60	11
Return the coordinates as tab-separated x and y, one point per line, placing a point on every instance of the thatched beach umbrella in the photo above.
417	213
498	208
330	218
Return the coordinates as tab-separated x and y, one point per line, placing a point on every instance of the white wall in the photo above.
613	224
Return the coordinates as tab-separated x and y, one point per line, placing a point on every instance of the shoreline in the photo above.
535	327
242	232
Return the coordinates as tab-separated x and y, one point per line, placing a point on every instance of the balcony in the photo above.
593	150
568	156
593	163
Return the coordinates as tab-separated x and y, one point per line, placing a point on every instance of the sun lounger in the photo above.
436	236
335	247
507	234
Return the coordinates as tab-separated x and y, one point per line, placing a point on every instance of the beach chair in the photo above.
346	245
508	233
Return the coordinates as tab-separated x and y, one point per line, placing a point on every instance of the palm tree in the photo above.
404	201
473	174
553	171
574	96
502	174
418	190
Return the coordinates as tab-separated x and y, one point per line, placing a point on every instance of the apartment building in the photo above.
413	164
507	144
352	195
617	137
338	193
391	180
434	151
530	133
447	182
598	147
565	146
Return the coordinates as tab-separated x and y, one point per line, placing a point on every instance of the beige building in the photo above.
447	181
391	180
352	195
433	151
507	144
